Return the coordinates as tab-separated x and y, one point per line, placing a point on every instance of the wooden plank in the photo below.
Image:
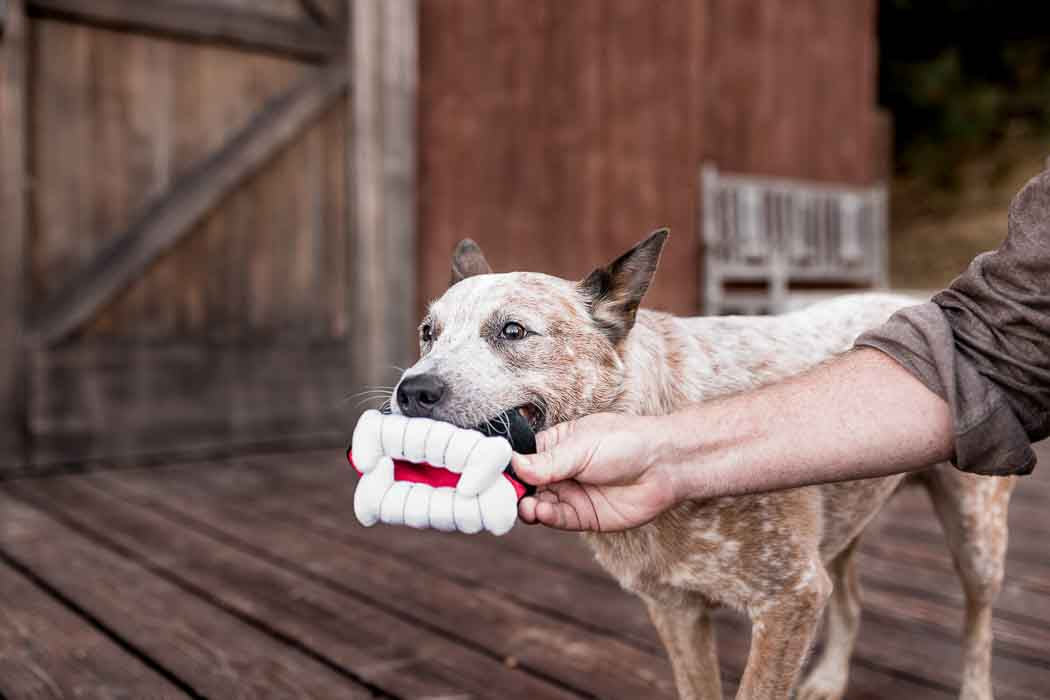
49	651
361	635
539	643
198	21
315	11
188	107
382	166
593	599
13	244
114	399
211	650
192	195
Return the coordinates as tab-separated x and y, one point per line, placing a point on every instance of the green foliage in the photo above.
960	76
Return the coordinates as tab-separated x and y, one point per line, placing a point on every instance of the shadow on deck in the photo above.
249	577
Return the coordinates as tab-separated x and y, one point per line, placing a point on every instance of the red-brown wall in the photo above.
557	133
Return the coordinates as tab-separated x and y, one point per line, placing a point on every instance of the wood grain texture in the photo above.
554	572
147	110
111	398
48	651
384	649
543	644
198	21
190	198
288	9
163	620
558	134
119	119
270	539
316	11
13	239
383	58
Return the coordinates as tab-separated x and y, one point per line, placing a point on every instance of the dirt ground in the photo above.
934	233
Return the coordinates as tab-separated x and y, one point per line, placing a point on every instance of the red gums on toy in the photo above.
424	473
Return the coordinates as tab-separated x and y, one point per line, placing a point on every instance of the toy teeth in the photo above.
429	474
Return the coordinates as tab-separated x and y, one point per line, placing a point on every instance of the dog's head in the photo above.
549	347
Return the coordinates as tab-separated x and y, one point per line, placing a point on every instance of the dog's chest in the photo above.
732	552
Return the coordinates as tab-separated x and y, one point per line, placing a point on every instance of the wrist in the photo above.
703	446
673	453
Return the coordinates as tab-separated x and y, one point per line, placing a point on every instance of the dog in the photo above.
557	350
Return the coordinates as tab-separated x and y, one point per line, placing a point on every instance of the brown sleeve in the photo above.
983	344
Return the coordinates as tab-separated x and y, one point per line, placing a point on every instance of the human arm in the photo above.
860	415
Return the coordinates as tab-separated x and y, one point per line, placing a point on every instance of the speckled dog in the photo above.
558	350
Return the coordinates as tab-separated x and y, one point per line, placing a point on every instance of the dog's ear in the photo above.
614	292
467	261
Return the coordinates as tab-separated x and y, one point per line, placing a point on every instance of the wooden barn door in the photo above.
211	195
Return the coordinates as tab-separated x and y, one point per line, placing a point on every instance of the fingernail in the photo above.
523	460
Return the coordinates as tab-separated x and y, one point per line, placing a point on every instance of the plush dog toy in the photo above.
429	474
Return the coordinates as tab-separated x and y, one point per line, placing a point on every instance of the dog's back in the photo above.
672	361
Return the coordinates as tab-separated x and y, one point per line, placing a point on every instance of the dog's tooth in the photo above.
441	509
371	489
365	441
459	448
417	506
393	435
468	514
486	462
416	436
437	442
392	510
499	506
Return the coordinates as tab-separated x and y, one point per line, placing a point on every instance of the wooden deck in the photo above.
249	577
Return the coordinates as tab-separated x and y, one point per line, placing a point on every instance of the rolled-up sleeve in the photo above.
983	344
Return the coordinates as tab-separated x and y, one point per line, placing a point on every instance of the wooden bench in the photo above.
764	238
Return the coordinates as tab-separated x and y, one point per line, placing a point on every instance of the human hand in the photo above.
601	472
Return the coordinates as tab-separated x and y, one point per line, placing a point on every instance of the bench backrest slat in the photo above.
779	232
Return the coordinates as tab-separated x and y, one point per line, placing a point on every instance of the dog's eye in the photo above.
426	333
513	331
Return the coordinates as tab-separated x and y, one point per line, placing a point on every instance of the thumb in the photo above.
562	456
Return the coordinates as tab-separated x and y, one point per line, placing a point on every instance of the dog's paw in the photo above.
821	688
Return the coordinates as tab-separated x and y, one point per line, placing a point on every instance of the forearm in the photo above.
858	416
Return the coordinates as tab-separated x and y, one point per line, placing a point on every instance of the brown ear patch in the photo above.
467	261
614	292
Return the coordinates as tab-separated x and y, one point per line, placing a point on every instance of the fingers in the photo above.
550	437
561	455
567	508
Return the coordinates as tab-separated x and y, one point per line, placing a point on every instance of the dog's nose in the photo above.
418	395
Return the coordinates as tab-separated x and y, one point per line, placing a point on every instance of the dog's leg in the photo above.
782	630
973	511
689	638
828	679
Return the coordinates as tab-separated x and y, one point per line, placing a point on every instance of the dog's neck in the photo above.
663	366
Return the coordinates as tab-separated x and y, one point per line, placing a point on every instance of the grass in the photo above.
935	233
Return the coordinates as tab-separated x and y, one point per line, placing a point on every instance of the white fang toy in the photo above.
426	473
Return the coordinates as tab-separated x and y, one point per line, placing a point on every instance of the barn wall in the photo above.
237	333
557	134
116	118
791	89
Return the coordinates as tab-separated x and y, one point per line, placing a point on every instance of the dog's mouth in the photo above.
526	418
518	425
533	416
